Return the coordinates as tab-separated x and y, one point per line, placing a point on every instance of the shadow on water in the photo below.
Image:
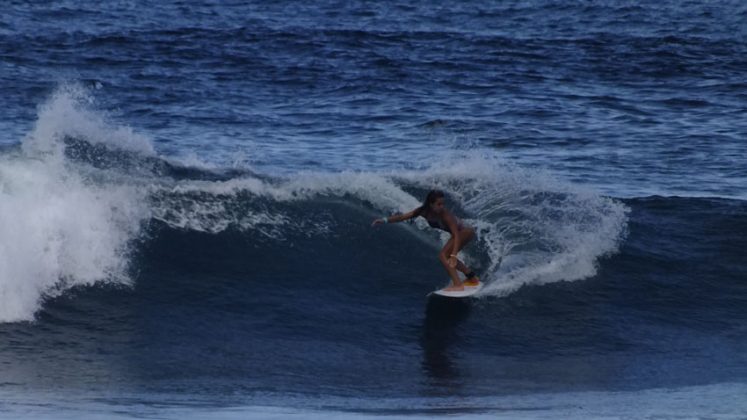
443	317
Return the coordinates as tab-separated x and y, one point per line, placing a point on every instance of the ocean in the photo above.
187	191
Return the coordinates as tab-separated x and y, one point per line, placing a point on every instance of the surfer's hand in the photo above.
377	222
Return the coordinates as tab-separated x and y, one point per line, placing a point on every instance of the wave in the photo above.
83	194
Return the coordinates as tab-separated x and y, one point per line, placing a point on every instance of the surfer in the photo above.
435	213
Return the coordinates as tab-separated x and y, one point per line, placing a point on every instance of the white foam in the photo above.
59	228
203	203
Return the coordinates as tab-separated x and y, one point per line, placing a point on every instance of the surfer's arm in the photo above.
394	218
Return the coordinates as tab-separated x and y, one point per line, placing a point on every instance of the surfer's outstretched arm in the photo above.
394	218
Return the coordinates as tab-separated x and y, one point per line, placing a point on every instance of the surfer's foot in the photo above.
454	288
472	281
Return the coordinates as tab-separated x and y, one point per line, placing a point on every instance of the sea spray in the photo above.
535	227
59	227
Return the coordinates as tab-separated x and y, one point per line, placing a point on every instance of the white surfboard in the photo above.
468	291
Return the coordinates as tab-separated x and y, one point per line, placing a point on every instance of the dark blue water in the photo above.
186	195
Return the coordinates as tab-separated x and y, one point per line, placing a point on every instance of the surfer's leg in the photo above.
466	235
443	256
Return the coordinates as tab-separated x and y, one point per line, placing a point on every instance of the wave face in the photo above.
91	194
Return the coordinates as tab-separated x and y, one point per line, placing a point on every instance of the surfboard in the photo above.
467	292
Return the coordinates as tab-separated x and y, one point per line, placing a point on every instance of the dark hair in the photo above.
431	198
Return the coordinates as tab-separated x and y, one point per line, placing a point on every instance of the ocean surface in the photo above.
187	190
